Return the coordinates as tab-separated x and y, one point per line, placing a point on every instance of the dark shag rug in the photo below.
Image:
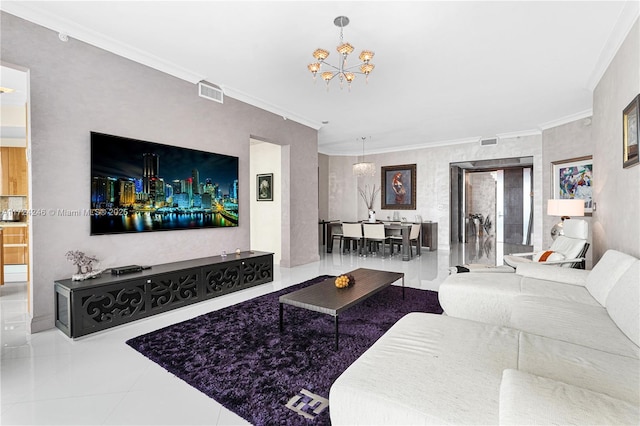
238	357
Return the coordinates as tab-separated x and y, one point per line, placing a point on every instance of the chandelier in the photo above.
364	168
342	71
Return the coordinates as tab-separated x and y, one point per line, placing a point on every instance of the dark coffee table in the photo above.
326	298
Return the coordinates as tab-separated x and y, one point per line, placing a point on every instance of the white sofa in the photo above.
549	356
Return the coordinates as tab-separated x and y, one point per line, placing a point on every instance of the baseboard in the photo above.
41	323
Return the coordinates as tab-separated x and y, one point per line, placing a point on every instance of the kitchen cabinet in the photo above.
13	171
15	245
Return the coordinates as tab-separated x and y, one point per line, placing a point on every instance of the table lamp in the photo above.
565	209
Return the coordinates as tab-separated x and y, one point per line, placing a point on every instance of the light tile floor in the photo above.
49	379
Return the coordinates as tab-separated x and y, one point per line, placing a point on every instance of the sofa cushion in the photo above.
556	290
529	399
614	375
544	272
489	297
482	297
571	322
623	303
427	369
606	273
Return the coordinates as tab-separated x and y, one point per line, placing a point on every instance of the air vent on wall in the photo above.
484	142
208	91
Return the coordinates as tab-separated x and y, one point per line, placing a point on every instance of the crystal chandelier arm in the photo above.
332	66
354	66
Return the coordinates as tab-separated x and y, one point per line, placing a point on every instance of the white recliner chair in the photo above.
567	250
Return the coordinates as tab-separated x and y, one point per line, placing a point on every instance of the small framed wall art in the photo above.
399	187
264	187
630	133
573	179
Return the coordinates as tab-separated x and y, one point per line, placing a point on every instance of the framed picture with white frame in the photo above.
573	179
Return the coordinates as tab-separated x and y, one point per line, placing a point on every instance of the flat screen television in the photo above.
139	186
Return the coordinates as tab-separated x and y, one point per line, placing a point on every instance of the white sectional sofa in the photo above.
562	348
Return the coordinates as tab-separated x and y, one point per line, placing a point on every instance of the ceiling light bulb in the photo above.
367	68
366	56
314	68
320	54
345	48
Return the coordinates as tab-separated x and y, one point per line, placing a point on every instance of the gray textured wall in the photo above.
571	140
616	222
77	88
614	225
432	183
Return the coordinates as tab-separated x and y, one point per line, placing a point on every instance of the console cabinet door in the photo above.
222	278
257	270
173	290
96	309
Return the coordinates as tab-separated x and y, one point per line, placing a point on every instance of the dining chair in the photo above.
375	232
352	232
336	232
414	236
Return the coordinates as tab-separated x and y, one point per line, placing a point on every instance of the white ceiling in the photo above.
446	72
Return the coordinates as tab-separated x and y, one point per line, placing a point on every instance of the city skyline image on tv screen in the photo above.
139	186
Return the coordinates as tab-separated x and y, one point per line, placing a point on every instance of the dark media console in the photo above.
84	307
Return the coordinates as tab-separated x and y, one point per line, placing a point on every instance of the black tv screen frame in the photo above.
140	186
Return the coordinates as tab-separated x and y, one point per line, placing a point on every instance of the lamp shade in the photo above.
565	207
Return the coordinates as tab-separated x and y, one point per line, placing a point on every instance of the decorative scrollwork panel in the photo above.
114	306
258	271
173	290
222	278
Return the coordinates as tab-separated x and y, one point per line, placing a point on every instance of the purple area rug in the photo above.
238	357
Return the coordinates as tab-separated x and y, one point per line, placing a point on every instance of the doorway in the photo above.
491	209
266	212
14	174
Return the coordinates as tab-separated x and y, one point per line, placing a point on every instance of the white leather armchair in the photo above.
567	250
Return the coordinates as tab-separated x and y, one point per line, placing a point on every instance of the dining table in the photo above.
390	227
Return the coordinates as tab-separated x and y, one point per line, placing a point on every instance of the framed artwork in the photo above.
630	133
264	187
573	179
399	187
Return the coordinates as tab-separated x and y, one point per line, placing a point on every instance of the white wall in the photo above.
266	222
616	222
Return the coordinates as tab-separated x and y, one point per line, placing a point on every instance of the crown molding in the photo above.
423	145
259	103
567	119
33	14
519	134
628	17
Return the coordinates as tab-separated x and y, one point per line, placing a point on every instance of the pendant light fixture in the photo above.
342	71
364	168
